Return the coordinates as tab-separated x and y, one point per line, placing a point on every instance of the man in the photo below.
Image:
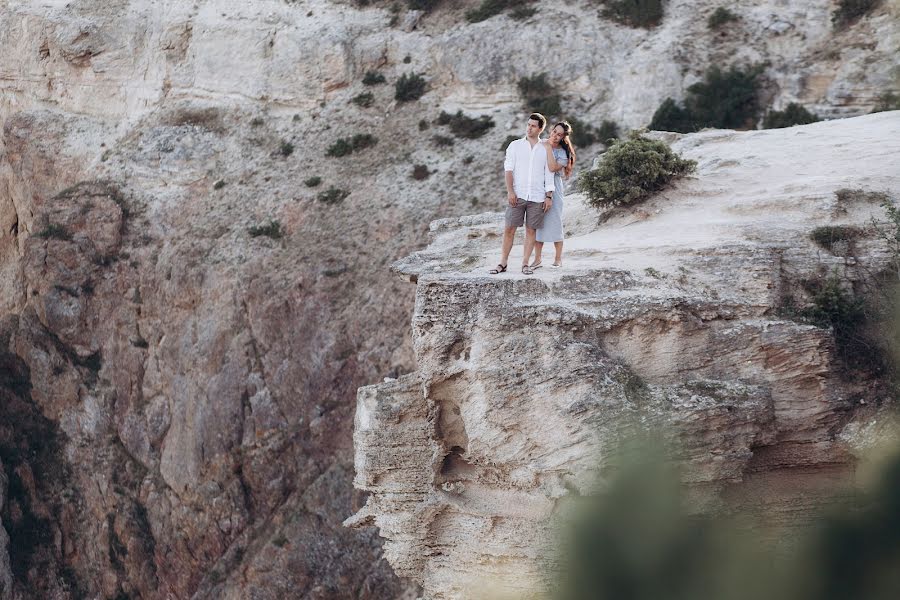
529	190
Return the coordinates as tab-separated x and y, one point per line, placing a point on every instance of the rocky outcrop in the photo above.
670	314
194	320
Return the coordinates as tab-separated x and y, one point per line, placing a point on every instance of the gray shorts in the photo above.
529	213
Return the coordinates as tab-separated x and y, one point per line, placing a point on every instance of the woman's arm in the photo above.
552	164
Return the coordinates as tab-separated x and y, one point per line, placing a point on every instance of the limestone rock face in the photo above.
668	314
193	319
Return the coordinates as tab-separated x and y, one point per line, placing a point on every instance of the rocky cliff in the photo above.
673	314
185	320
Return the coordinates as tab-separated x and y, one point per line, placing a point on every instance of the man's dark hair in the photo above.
541	119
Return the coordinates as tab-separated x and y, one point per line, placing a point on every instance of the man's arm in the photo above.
509	166
549	187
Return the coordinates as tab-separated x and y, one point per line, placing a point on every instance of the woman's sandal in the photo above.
556	265
526	270
535	265
498	270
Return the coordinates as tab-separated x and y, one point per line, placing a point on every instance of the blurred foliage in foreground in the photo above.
635	541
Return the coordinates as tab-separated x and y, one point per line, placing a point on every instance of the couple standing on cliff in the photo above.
534	188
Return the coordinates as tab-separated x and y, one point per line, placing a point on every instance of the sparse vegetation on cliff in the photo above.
632	170
465	126
344	146
850	11
410	87
720	17
724	100
794	114
539	95
634	13
272	229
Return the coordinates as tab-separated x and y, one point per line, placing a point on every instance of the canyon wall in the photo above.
185	321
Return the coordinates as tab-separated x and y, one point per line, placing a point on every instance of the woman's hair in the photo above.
567	145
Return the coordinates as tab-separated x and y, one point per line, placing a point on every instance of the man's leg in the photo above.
530	234
509	234
538	249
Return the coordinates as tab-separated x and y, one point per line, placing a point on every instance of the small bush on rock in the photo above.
584	134
632	170
420	172
464	126
837	239
887	101
373	78
720	16
364	100
794	114
724	100
635	13
332	195
285	148
271	229
849	11
423	5
345	146
410	87
539	95
312	181
56	232
488	9
442	141
509	140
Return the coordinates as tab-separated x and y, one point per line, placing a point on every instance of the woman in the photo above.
560	160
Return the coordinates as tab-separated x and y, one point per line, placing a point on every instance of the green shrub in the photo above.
833	237
364	100
332	195
521	13
312	181
256	121
584	134
341	147
373	78
218	185
361	141
509	140
424	5
442	141
720	16
56	232
634	13
344	146
671	117
420	172
539	95
845	313
794	114
465	126
631	170
271	229
887	101
423	125
410	86
724	100
487	9
848	11
285	148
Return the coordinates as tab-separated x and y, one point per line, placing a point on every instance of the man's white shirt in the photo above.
531	174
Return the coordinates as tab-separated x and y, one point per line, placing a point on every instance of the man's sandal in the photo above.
498	270
526	270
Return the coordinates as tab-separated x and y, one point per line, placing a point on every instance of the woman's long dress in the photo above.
552	230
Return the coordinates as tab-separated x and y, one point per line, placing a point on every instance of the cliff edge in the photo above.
676	312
